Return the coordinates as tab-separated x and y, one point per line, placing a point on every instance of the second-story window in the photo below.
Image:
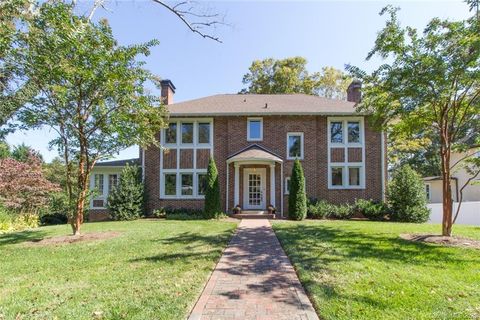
187	132
171	133
295	145
203	132
254	129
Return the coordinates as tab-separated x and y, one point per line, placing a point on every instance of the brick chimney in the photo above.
168	90
354	93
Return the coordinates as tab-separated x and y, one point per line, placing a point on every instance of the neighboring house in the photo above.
460	175
254	139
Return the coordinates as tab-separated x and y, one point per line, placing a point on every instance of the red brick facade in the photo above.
230	136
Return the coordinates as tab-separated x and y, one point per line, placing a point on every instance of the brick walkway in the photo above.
253	280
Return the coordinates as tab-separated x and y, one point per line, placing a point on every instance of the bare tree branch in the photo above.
194	26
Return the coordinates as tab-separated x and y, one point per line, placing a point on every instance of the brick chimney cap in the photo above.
168	83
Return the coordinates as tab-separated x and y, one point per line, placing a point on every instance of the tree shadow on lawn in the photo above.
197	246
21	236
329	244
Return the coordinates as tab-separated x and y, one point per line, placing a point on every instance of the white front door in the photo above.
254	189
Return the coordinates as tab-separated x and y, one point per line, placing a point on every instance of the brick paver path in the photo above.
253	280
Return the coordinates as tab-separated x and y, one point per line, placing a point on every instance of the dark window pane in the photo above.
171	134
287	184
337	176
353	132
204	133
336	132
202	183
187	184
112	182
187	132
99	184
255	129
170	184
354	176
294	146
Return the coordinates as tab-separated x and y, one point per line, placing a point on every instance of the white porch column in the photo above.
237	184
272	184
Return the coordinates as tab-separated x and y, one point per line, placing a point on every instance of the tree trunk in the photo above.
447	202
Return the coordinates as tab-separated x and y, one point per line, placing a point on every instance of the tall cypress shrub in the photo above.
125	202
407	197
297	199
212	193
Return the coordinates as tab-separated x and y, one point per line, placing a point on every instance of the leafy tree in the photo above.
297	198
23	187
93	94
4	150
430	82
125	202
22	153
290	75
407	197
213	207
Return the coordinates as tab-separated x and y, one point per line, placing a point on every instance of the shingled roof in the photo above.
261	104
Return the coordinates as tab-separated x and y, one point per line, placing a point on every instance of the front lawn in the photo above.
152	270
362	270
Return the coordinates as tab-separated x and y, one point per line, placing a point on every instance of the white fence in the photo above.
469	213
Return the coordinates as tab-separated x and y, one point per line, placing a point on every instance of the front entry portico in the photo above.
255	184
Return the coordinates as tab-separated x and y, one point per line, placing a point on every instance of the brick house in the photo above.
254	139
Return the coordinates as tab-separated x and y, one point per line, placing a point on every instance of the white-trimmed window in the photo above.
201	183
254	129
344	134
428	191
287	185
99	184
112	182
188	133
170	184
171	133
295	145
185	184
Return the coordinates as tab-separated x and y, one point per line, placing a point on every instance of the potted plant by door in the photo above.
271	209
237	209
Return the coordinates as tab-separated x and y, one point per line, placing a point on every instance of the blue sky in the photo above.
327	33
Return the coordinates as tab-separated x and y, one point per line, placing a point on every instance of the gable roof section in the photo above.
254	152
261	104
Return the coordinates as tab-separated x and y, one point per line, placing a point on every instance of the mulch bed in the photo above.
446	241
61	240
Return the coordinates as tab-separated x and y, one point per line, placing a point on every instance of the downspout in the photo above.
226	196
281	189
143	165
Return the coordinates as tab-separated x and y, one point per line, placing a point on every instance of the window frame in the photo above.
195	144
346	165
302	149
287	189
429	193
248	128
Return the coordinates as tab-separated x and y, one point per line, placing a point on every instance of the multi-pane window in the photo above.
187	132
336	132
427	191
254	129
295	145
187	184
99	188
337	176
112	182
170	184
353	131
204	132
354	176
346	150
202	183
287	185
171	133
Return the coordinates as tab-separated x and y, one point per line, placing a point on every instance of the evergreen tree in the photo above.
212	193
125	202
297	199
407	196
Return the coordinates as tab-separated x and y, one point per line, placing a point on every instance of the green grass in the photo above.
153	270
362	270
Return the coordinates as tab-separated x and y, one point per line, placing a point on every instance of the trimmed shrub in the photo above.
213	208
125	202
297	199
372	210
183	214
343	211
407	198
319	209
